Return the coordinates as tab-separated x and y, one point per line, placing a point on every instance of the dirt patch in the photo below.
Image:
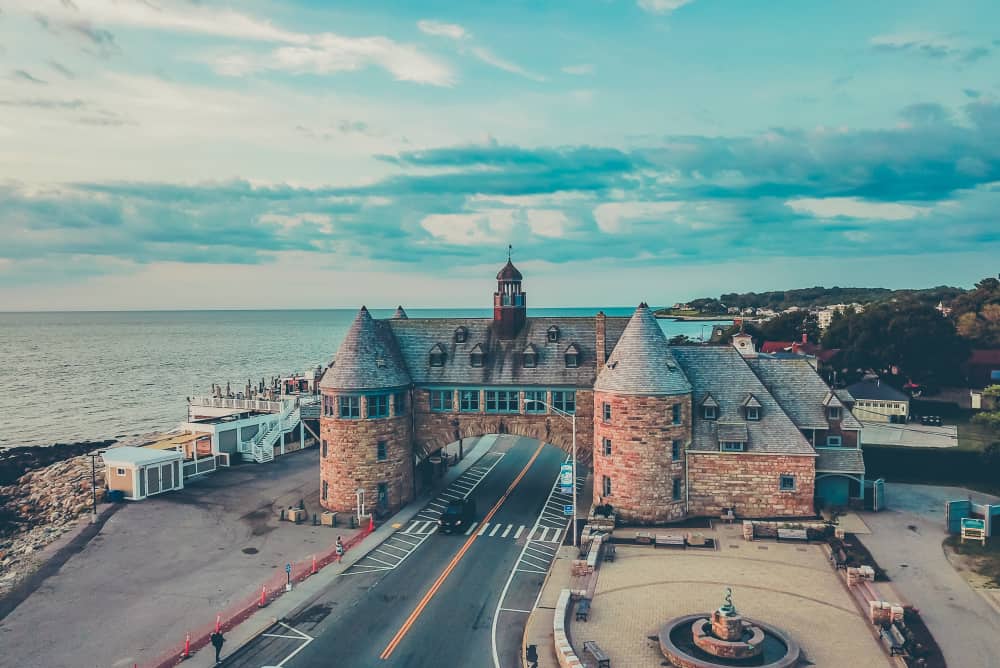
314	614
260	521
924	650
249	550
858	554
978	564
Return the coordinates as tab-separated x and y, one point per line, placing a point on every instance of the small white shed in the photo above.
142	472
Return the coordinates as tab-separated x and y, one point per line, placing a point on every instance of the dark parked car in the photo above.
458	516
931	420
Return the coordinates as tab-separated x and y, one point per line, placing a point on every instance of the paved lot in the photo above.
906	541
164	566
790	586
913	435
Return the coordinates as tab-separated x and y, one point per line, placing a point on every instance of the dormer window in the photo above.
572	356
732	446
476	356
751	408
553	334
437	355
710	412
461	334
753	413
530	357
833	412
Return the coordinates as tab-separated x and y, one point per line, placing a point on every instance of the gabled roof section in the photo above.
477	349
400	314
751	402
722	372
800	391
438	349
876	389
831	399
530	349
572	349
368	358
709	400
840	460
641	362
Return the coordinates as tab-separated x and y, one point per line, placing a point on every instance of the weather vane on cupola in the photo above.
510	247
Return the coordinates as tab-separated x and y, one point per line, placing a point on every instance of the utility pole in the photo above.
93	482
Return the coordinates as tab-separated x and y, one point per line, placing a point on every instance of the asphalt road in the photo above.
436	607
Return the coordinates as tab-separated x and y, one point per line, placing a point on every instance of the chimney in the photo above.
600	343
805	338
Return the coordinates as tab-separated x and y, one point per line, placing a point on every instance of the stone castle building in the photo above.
671	431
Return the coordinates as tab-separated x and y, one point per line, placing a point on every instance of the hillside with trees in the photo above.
976	314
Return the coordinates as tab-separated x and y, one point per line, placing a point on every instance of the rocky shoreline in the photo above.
43	492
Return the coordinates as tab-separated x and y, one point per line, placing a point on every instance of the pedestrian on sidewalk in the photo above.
340	549
217	640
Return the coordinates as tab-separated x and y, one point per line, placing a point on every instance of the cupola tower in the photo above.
508	301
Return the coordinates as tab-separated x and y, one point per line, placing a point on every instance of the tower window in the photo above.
606	412
326	489
461	333
675	450
324	448
677	489
378	405
350	407
606	486
380	452
399	403
553	334
606	446
675	414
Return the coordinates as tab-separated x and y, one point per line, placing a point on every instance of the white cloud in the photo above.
854	207
662	6
617	217
496	61
469	229
532	201
439	29
578	70
547	222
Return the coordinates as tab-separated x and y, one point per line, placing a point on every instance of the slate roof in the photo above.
502	364
641	362
368	358
840	460
870	389
400	313
794	383
733	431
509	272
722	371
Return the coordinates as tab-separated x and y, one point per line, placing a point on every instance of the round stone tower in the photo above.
642	426
366	451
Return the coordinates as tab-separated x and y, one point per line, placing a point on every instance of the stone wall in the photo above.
750	483
641	467
434	430
352	460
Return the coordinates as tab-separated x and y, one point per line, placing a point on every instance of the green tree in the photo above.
790	327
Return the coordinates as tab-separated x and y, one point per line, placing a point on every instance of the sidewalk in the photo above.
303	595
538	630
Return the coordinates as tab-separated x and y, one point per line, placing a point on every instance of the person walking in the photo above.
217	641
340	549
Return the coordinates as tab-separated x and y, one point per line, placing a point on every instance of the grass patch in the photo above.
984	560
976	437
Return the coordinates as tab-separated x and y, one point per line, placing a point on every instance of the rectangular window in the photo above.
399	403
787	483
606	486
350	407
378	405
502	401
324	452
753	413
834	412
606	412
710	413
677	489
732	446
606	444
381	451
676	413
441	400
675	450
383	495
564	401
326	489
469	401
835	441
119	471
534	401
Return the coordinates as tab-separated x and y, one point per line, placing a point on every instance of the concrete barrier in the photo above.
564	651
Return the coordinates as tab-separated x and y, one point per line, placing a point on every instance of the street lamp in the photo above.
572	418
93	482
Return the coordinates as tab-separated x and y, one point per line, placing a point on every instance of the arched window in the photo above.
437	355
553	334
530	357
476	355
461	334
572	356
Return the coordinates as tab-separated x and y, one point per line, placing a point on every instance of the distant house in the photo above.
983	368
803	348
875	401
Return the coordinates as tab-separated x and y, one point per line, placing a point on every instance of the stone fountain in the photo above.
726	638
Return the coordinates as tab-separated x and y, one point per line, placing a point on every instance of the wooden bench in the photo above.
609	552
839	558
643	538
591	648
583	610
670	540
893	640
792	534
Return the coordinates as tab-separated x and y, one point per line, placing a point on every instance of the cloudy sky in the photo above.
325	153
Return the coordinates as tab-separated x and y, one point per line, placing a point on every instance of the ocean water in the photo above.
93	375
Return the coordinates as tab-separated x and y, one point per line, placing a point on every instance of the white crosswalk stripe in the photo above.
496	527
520	530
483	528
471	528
506	532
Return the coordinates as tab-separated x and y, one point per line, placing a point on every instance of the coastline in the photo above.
693	318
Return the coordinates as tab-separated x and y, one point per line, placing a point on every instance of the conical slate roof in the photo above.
400	314
368	359
509	272
641	362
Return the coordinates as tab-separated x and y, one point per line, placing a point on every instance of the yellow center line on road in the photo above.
408	624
